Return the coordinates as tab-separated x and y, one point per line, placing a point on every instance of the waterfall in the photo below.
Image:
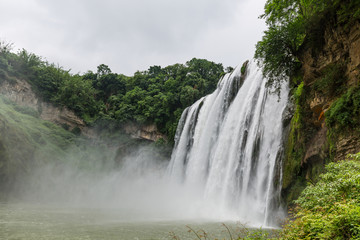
228	149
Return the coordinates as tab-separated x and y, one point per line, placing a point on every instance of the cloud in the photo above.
133	35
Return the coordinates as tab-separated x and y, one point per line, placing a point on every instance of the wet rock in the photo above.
146	131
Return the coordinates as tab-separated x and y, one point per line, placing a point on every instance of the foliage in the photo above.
344	113
295	146
331	208
158	95
332	80
48	79
349	12
293	24
78	94
277	52
278	48
241	232
21	128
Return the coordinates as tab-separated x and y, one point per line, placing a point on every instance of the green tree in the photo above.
292	24
48	79
277	51
103	69
157	95
79	95
188	95
207	70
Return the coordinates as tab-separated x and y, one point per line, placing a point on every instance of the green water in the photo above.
21	221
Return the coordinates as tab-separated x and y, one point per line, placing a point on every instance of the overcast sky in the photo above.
131	35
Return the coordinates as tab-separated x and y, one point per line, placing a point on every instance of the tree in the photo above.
103	69
48	79
188	95
291	24
79	95
207	70
277	51
157	95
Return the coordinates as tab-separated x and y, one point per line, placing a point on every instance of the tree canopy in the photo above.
157	95
293	24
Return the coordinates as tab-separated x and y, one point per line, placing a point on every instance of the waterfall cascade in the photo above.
228	148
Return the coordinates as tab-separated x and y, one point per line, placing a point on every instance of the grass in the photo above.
22	135
239	232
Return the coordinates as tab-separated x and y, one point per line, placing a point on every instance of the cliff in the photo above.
143	131
26	142
21	93
341	55
326	122
32	135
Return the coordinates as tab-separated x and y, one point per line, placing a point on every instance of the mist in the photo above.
137	186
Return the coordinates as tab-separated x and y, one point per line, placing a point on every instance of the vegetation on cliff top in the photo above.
158	95
295	24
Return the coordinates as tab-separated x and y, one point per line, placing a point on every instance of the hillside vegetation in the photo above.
27	142
295	25
158	95
331	208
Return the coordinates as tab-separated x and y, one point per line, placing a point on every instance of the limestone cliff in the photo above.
21	93
328	72
341	50
144	131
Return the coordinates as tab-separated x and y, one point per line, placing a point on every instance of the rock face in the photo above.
21	93
341	47
145	132
328	71
345	145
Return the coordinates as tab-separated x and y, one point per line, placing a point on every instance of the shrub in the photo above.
331	208
345	111
332	82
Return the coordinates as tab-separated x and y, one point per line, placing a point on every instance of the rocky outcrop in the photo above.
21	93
316	149
340	45
341	48
145	131
329	69
346	144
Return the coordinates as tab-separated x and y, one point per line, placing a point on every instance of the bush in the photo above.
294	26
345	111
331	208
332	82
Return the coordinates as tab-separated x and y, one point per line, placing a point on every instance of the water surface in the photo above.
29	221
